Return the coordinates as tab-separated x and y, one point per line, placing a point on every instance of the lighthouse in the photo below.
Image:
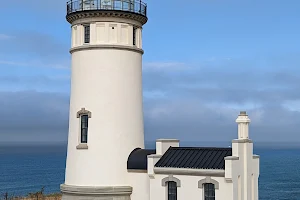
106	158
106	109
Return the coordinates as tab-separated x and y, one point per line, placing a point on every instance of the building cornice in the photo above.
107	19
208	180
242	141
83	111
154	156
73	17
91	190
92	47
231	158
167	140
137	171
164	181
82	146
191	172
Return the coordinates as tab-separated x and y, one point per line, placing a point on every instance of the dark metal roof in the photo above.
138	159
194	158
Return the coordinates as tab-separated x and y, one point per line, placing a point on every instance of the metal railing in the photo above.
134	6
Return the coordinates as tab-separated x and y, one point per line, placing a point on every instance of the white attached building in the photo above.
107	159
202	173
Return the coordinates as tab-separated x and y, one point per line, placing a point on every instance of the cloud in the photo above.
202	102
38	82
198	103
226	83
191	120
176	105
5	37
33	64
33	116
165	66
32	49
32	43
36	6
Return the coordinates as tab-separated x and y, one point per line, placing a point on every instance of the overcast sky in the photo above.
204	61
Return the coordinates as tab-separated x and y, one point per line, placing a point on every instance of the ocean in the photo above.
25	169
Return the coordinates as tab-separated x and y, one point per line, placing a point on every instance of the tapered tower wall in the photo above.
106	110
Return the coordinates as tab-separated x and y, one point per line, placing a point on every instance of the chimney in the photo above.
243	125
162	145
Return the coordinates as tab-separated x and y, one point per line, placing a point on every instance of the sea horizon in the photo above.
151	144
27	168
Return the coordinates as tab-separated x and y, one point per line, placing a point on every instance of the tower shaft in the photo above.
106	110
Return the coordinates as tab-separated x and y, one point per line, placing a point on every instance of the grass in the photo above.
33	196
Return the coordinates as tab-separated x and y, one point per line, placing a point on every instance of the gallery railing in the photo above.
134	6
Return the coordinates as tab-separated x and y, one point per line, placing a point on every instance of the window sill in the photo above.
82	146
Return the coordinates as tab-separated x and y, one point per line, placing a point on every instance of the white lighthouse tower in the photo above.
106	111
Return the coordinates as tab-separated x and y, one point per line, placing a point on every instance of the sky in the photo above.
204	62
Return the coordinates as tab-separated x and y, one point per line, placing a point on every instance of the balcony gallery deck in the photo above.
132	6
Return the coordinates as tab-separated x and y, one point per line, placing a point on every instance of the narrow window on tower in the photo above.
134	36
83	115
87	33
84	128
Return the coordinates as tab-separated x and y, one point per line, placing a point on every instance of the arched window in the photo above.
172	190
171	183
84	116
84	128
209	191
209	187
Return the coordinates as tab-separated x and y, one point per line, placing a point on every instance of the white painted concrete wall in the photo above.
141	185
107	33
189	188
108	83
244	172
162	145
243	167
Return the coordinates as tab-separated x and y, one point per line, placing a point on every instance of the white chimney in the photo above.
243	125
162	145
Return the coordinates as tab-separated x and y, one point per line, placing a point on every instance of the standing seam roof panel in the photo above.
194	158
191	159
212	162
204	160
185	156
